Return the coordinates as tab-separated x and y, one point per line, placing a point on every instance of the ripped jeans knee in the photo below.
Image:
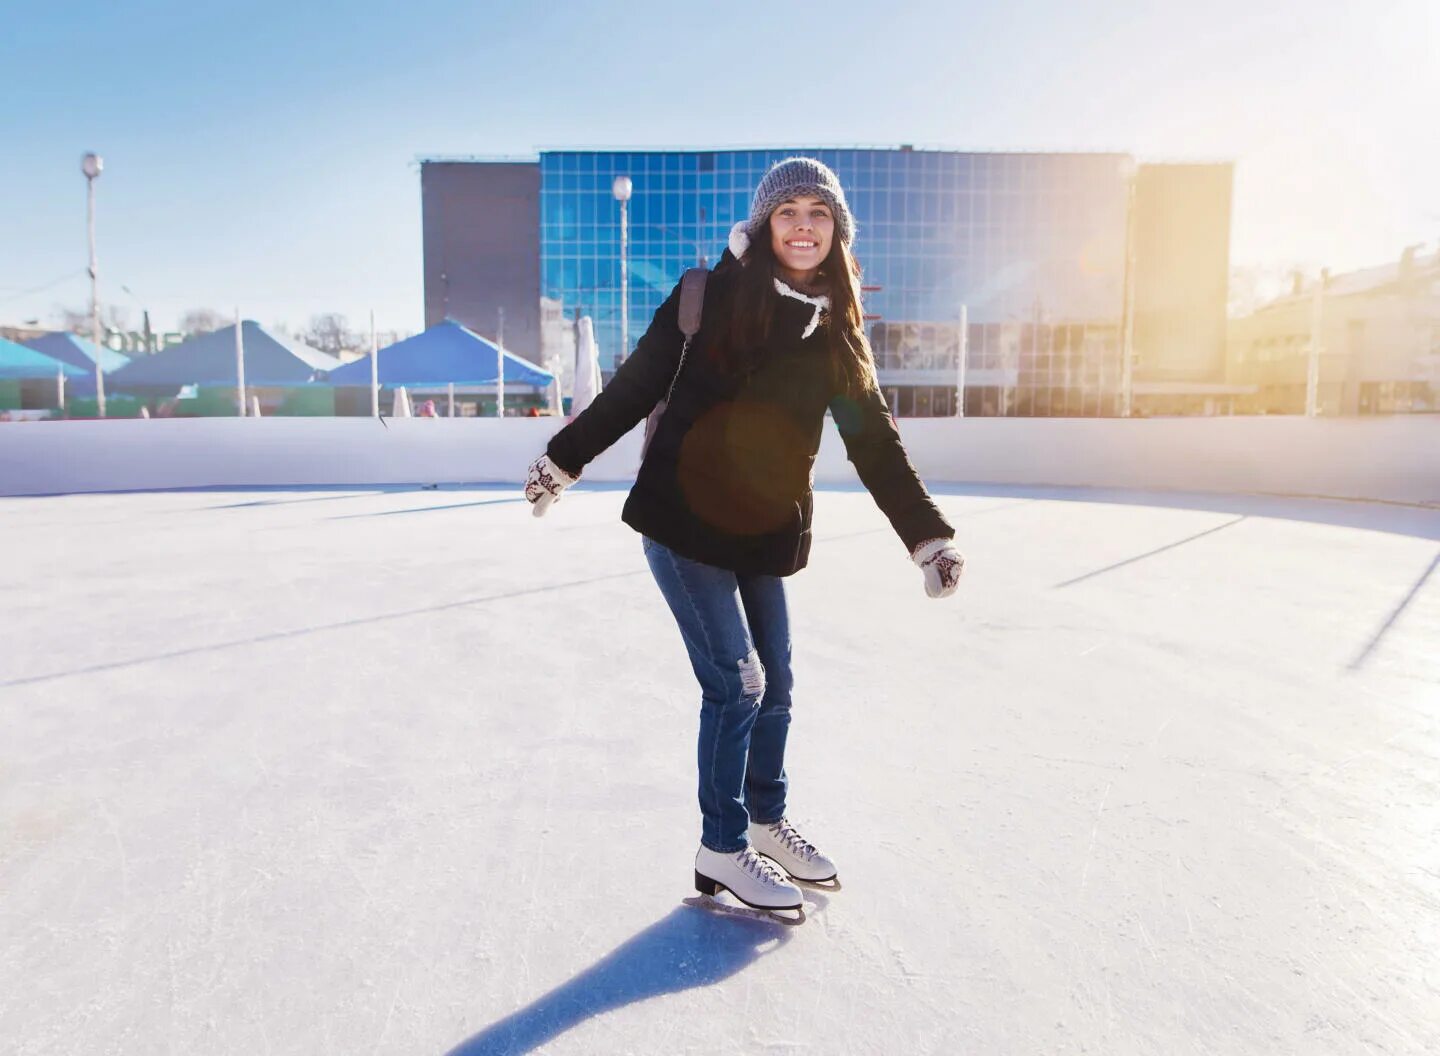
752	678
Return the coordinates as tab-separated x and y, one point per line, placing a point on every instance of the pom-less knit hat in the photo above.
792	178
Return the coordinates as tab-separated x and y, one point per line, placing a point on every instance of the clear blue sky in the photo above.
263	154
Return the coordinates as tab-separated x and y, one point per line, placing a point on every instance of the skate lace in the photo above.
760	867
792	841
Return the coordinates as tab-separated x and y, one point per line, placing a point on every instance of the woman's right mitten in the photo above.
942	565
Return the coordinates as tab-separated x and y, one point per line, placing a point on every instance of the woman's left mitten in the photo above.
942	565
544	483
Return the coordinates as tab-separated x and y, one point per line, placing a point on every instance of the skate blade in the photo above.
833	884
774	916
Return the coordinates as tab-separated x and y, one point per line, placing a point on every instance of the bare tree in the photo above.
329	333
203	321
77	320
1254	285
1243	293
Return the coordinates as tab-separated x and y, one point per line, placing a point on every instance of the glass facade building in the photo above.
1031	249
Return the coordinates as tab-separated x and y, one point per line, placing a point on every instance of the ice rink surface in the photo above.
410	771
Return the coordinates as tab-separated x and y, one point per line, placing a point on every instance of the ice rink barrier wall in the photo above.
1394	459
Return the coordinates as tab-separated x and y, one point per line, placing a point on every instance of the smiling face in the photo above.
802	230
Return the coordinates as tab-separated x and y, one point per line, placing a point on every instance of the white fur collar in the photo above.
785	289
820	304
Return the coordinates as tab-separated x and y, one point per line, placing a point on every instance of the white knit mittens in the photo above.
942	565
544	484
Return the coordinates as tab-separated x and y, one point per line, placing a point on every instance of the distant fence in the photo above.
1394	459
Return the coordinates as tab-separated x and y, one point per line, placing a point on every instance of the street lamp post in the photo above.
500	367
240	400
92	165
374	369
962	356
1312	354
622	188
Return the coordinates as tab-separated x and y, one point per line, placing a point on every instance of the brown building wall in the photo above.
481	231
1182	262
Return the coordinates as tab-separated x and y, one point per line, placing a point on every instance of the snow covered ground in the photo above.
407	771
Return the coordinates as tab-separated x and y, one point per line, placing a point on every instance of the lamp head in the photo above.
622	188
92	165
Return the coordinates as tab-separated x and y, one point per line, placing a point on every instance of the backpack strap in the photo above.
692	299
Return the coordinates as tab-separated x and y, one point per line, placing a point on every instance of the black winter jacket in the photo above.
728	477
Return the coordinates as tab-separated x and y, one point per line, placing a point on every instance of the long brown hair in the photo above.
753	299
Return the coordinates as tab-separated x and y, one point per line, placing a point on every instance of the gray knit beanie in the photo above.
792	178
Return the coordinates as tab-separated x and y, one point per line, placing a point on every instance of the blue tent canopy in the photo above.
78	352
18	363
446	353
209	359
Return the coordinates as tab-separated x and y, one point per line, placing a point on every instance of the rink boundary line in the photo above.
1151	553
116	665
274	636
933	482
1363	657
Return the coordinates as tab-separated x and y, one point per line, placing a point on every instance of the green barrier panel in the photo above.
308	403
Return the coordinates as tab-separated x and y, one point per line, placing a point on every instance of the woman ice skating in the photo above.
723	496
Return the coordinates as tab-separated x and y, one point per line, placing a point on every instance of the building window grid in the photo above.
998	224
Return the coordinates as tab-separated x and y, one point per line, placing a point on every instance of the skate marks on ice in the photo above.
681	951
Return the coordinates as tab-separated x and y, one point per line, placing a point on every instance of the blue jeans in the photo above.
737	631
